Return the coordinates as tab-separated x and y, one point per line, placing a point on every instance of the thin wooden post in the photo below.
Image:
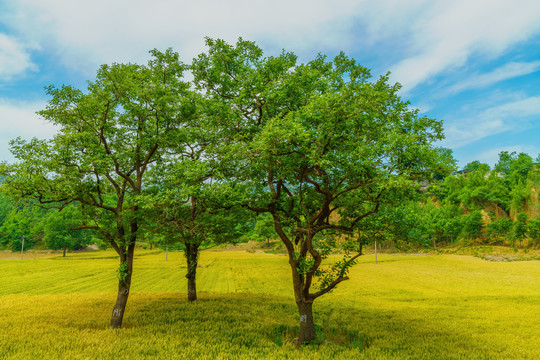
22	247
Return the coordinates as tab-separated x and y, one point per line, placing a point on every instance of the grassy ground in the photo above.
404	307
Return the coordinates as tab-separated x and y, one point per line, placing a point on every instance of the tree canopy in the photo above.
108	138
320	153
319	146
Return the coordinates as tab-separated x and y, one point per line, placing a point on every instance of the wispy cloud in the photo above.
508	71
447	34
436	34
14	58
20	119
511	116
89	33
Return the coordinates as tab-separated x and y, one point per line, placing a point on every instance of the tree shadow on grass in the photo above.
161	325
250	320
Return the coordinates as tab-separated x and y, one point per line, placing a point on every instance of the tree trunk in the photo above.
192	257
306	334
192	287
64	252
124	285
121	301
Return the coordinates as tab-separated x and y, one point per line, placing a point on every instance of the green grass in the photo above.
404	307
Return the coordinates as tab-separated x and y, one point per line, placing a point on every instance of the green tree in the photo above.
520	229
6	207
186	208
108	137
533	231
318	146
478	167
510	163
500	228
504	163
57	225
473	224
445	156
22	220
264	228
408	224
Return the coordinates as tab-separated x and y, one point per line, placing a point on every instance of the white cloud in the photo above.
448	33
433	35
20	119
508	71
88	33
511	116
14	58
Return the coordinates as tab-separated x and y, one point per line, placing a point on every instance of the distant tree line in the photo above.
485	205
40	227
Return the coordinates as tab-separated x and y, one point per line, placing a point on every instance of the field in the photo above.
404	307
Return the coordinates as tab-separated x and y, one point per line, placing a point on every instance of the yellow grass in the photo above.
404	307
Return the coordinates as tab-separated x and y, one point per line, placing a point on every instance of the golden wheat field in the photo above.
403	307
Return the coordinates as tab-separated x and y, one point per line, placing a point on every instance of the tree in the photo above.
318	146
264	228
510	163
534	231
445	156
520	229
108	138
473	224
478	166
57	233
500	228
5	207
22	220
408	223
189	209
504	163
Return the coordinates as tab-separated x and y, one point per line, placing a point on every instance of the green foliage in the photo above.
439	212
122	271
6	206
109	135
264	228
304	263
339	269
477	166
519	194
408	223
320	146
507	187
473	224
22	221
533	231
58	229
445	158
520	229
534	228
500	228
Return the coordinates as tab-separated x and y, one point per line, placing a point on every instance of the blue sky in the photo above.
473	63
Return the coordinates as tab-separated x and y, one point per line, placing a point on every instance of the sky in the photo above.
475	64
